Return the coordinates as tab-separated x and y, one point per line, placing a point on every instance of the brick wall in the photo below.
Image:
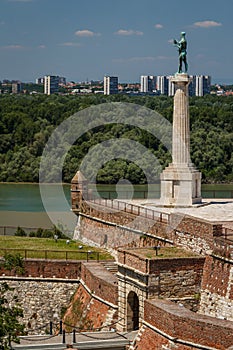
149	339
85	312
179	323
178	277
217	289
49	269
100	281
191	233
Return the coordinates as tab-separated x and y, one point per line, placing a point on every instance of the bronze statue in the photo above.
182	48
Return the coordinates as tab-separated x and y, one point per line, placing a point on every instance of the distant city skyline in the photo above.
88	40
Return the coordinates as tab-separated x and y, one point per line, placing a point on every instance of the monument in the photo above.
181	181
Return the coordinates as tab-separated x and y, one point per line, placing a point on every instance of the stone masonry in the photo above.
180	181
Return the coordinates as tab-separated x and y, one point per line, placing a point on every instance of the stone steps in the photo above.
111	266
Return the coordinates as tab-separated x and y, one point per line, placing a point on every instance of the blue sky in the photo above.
86	39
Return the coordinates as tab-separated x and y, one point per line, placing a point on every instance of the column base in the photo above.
180	186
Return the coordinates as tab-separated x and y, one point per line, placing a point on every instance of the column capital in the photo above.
180	78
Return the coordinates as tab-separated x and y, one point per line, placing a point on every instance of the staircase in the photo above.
111	266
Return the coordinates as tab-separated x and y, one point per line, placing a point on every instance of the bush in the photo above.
47	234
20	232
39	232
14	262
32	234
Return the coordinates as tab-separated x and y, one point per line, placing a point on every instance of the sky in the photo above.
87	39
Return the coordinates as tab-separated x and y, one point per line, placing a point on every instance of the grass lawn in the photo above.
164	253
47	247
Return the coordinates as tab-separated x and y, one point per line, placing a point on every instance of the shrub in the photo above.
20	232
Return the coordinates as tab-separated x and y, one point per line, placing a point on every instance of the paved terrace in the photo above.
88	341
214	210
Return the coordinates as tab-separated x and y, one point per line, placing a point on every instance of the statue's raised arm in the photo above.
182	48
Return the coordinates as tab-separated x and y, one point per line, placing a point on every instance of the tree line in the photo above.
26	123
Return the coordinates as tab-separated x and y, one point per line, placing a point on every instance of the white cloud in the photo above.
86	33
12	47
129	32
41	47
207	24
70	44
141	59
158	26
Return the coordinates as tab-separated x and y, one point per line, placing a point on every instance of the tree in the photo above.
10	326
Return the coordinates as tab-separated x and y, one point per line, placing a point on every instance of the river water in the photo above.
22	205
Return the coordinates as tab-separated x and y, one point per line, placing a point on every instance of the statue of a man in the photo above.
182	48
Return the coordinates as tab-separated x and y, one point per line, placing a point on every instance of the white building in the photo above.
110	85
201	85
162	84
148	83
51	83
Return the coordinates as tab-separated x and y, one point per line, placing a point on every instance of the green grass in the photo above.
164	253
47	247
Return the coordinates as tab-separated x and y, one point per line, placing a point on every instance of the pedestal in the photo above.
180	181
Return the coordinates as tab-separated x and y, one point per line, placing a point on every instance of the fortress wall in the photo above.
100	282
48	269
118	229
42	301
169	326
217	289
86	312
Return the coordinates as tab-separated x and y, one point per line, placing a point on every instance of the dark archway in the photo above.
132	312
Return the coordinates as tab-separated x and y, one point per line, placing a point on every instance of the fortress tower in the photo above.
180	181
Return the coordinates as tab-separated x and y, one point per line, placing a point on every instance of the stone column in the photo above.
180	181
181	133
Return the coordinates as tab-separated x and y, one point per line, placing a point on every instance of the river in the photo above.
21	204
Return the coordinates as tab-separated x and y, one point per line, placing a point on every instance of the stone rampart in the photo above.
42	300
112	229
169	326
100	281
217	288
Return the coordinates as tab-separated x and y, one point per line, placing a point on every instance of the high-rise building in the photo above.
40	81
162	84
201	85
110	85
148	83
16	87
51	84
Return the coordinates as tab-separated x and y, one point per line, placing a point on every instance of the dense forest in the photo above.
27	121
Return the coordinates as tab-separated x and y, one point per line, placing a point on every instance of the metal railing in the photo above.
134	209
48	254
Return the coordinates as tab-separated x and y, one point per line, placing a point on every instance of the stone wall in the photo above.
167	278
169	326
51	289
217	288
112	229
178	279
42	300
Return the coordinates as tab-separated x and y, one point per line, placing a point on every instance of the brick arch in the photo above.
132	311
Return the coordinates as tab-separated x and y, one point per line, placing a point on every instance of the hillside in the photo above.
26	123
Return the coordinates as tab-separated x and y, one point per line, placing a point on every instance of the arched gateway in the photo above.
132	312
